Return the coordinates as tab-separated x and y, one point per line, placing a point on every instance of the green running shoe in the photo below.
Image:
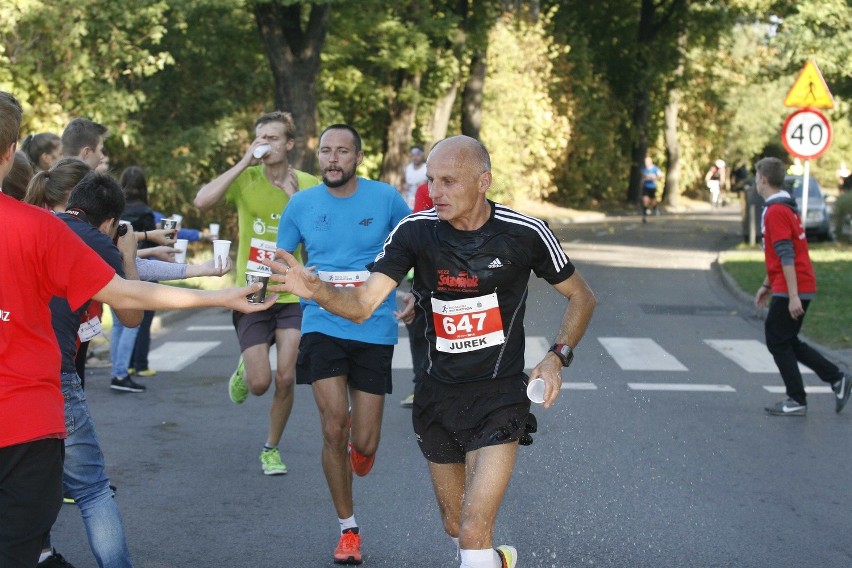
237	385
271	461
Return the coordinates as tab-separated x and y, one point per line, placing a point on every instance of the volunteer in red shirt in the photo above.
789	287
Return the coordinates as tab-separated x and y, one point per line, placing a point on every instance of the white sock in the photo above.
347	523
485	558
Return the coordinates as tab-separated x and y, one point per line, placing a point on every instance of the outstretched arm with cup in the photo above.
356	304
133	294
578	314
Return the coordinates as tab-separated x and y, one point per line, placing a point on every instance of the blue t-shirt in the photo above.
341	237
652	171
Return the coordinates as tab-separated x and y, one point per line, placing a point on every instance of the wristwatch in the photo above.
564	352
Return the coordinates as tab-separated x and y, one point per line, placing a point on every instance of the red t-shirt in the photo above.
422	201
782	223
40	257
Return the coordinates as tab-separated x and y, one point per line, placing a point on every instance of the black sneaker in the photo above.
841	389
126	385
55	560
787	407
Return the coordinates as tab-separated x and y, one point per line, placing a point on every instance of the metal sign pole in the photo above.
805	177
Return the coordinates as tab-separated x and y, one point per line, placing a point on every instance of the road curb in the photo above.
840	356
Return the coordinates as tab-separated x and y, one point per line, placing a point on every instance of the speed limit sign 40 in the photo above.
806	134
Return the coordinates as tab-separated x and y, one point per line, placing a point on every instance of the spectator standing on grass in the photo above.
789	287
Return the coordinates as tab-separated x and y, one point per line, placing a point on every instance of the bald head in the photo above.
467	153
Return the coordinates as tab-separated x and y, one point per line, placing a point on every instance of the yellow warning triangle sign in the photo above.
809	90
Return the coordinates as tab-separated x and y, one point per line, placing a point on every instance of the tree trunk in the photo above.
639	146
440	119
471	119
294	57
671	190
398	138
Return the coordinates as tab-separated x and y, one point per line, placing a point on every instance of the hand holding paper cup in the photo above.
259	296
535	390
221	249
180	250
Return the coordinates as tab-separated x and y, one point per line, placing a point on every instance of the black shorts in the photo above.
451	420
649	192
366	365
259	328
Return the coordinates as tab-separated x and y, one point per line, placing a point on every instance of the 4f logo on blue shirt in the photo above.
366	222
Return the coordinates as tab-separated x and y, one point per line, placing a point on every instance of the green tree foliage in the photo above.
527	143
66	58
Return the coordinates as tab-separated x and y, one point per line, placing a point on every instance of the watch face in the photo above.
564	353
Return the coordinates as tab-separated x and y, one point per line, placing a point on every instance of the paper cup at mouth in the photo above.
180	250
535	390
261	151
214	230
221	249
259	296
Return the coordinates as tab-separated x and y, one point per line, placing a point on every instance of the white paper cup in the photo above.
214	231
261	151
180	250
535	390
221	249
259	296
169	224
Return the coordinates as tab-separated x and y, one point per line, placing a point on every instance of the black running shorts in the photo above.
451	420
367	365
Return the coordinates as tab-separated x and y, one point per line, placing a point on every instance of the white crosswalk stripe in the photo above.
640	354
177	355
630	353
750	354
683	387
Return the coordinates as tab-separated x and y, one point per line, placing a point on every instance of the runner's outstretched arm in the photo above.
356	304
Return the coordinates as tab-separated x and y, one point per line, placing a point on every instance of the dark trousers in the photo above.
139	360
418	343
30	498
782	339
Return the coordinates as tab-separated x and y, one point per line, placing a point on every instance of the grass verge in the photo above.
829	319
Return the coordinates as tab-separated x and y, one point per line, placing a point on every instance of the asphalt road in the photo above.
621	474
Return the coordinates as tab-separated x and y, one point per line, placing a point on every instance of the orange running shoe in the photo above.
348	550
361	464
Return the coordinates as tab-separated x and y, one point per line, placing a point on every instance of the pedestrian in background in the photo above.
789	287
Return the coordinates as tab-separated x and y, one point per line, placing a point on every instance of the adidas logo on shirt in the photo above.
495	263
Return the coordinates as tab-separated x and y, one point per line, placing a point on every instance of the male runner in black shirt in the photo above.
472	260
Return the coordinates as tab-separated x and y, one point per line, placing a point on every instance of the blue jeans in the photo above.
86	482
121	343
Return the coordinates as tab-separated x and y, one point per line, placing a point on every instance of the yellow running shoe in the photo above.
508	555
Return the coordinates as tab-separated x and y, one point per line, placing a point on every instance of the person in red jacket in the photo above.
789	287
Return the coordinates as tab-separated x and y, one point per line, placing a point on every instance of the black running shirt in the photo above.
472	287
